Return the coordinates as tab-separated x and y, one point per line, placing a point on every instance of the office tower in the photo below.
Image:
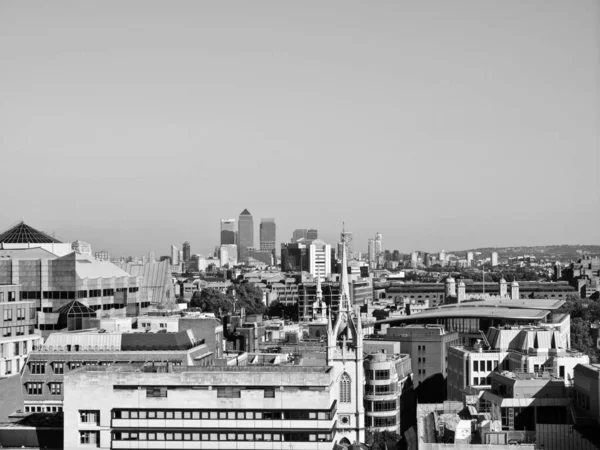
378	245
319	259
174	255
298	234
245	234
294	257
312	234
151	257
494	259
442	258
396	255
228	232
228	255
102	256
346	237
187	253
470	259
180	253
83	248
371	253
414	259
267	235
427	259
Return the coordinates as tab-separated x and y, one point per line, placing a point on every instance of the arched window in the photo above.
345	388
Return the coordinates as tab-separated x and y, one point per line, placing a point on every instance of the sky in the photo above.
134	125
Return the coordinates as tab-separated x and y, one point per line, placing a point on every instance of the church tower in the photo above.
503	288
514	290
345	355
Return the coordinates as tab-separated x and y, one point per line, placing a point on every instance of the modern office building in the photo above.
268	235
245	234
347	238
494	259
228	255
299	233
55	282
43	375
83	248
17	329
22	236
151	257
320	259
228	232
175	256
312	234
372	255
470	259
187	253
378	250
427	346
388	391
516	349
294	257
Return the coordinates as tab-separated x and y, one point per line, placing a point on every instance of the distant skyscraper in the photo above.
180	253
174	255
298	234
83	248
267	235
228	255
312	234
319	259
187	253
371	253
245	234
414	259
151	257
348	238
102	256
470	259
378	250
228	232
494	259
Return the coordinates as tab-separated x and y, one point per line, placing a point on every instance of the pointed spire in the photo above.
344	288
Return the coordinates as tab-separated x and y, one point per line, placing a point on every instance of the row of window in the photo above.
71	295
21	314
223	415
377	374
383	389
216	436
387	421
58	368
20	330
481	381
43	408
37	388
480	366
10	296
381	405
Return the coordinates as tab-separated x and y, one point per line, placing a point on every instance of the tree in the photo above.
250	298
212	300
380	440
278	309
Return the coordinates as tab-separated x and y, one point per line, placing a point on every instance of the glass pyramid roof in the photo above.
22	233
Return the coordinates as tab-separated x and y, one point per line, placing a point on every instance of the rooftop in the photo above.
22	233
26	253
538	303
472	311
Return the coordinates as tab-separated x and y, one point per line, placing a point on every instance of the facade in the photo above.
245	234
372	255
268	235
17	337
470	259
320	259
428	348
294	257
347	238
494	259
587	388
201	407
516	349
55	282
388	392
312	234
62	353
228	232
299	233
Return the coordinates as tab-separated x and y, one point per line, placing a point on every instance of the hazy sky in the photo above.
441	124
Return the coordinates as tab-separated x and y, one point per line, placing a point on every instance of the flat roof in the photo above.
472	312
537	303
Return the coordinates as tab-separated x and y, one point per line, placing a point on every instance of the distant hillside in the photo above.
557	252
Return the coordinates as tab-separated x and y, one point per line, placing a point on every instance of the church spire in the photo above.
344	287
319	290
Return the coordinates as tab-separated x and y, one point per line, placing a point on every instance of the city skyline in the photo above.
456	104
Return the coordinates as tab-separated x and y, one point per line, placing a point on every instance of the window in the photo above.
16	349
482	366
89	437
20	330
269	393
345	388
55	388
156	391
475	366
34	388
382	374
8	369
7	315
59	368
20	313
37	368
6	332
489	366
229	392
